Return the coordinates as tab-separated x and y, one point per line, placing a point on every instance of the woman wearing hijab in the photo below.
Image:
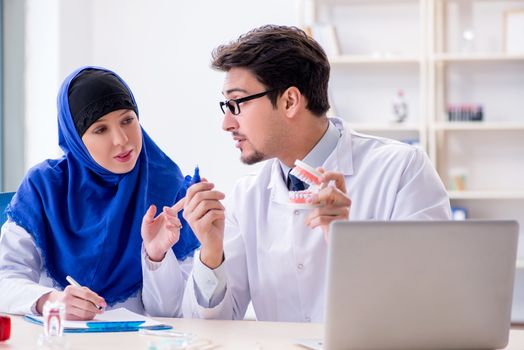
91	213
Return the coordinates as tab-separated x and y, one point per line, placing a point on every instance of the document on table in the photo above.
117	320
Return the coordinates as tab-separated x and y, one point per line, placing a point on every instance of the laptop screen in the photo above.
420	284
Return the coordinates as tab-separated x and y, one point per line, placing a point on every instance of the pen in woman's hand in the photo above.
76	284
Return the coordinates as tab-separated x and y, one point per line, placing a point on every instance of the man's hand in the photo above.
332	201
206	215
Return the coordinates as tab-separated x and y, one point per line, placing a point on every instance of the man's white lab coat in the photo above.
274	260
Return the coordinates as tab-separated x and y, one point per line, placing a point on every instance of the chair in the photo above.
5	198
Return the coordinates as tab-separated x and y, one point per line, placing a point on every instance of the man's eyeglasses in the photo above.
234	104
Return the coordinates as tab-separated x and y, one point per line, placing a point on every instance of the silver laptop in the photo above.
419	285
517	316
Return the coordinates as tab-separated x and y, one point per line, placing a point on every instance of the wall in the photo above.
14	101
162	49
41	80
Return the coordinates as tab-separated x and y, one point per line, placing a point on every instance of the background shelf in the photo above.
486	195
440	53
477	57
373	59
480	126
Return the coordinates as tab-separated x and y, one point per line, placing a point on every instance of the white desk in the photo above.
245	335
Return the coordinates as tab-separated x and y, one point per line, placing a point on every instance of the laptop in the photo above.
517	316
419	285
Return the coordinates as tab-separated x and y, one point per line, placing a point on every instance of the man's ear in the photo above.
292	100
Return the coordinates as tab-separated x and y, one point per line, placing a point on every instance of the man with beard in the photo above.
260	247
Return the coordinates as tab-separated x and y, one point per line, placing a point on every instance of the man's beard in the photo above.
253	158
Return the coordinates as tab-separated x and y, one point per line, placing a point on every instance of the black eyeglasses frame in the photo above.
235	107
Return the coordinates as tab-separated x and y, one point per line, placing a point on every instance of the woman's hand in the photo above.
161	233
80	302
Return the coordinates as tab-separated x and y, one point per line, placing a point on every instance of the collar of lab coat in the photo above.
341	160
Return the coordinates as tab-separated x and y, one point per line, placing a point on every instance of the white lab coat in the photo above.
274	260
23	279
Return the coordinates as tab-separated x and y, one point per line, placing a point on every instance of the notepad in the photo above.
117	320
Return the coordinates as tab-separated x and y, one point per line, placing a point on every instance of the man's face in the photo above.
257	129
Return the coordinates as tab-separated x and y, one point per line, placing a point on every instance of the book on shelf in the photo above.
459	213
514	31
465	113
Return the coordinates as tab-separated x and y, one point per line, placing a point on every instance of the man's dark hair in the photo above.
280	57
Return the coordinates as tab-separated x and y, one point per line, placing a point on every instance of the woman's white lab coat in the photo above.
23	279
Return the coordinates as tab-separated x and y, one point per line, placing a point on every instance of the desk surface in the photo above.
246	335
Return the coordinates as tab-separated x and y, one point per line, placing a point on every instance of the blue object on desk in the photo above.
108	327
118	324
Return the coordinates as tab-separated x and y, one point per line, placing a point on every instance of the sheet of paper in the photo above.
115	315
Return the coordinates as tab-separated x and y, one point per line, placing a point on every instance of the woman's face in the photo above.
115	141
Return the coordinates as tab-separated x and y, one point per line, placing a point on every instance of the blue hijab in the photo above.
86	220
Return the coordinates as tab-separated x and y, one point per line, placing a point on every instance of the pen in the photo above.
196	176
191	180
76	284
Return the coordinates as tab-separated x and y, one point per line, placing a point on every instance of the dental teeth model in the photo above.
309	175
306	173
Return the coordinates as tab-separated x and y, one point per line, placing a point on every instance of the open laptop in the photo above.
419	285
517	316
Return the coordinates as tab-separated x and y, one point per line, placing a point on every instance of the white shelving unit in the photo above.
486	195
490	153
439	52
370	59
484	126
476	57
371	67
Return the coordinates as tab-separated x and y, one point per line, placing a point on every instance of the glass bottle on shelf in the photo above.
467	34
400	107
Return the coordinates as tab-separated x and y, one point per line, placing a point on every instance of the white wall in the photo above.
41	80
13	90
162	49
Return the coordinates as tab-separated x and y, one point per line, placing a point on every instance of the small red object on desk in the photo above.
5	328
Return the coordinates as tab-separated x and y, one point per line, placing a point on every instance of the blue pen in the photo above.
188	180
196	176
